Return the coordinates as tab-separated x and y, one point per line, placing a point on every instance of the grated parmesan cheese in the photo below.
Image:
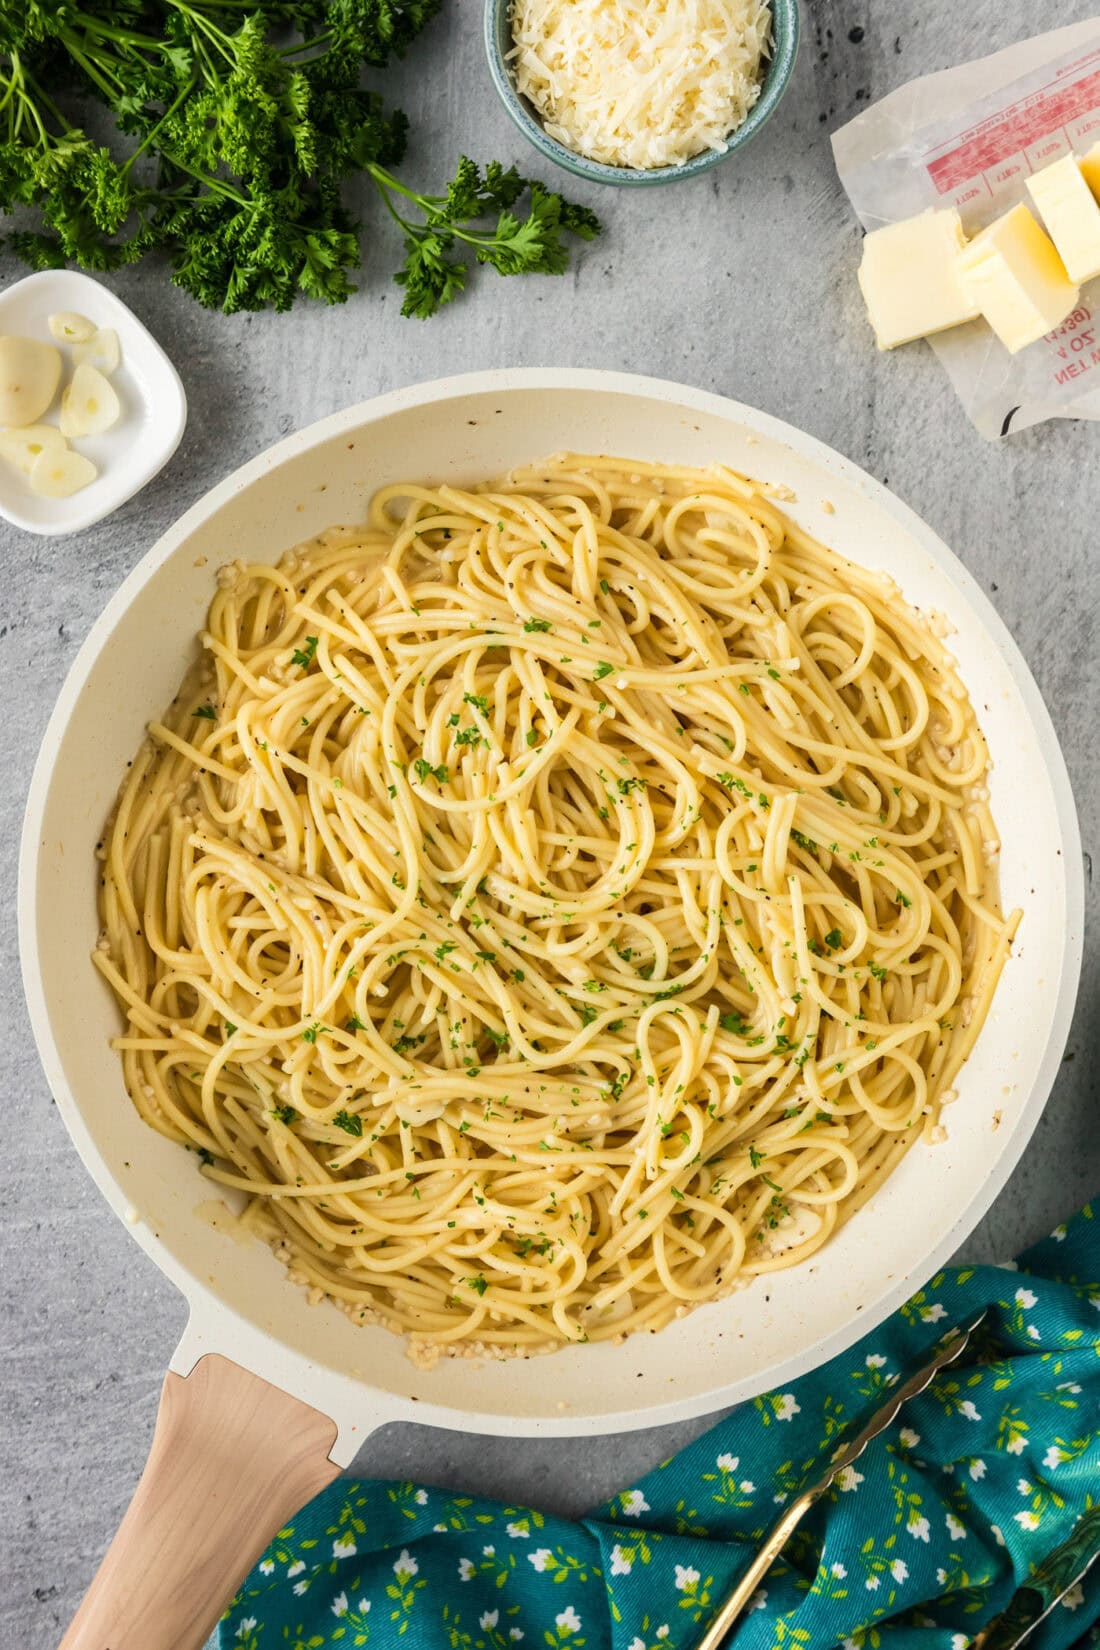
640	83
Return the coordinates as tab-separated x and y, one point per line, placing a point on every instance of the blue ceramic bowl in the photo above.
498	43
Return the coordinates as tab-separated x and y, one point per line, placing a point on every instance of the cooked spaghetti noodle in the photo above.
554	903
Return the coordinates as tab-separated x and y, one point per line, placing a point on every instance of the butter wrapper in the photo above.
970	137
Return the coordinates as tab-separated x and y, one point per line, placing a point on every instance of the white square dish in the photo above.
154	406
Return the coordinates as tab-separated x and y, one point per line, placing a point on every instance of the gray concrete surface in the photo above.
742	283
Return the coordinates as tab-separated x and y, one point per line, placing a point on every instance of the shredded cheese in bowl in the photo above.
640	83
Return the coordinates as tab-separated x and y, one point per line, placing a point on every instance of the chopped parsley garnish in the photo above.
230	1028
734	1022
310	1034
354	1024
207	712
602	669
424	770
903	899
531	625
877	971
756	1157
834	939
532	738
303	656
625	786
349	1122
479	1283
284	1114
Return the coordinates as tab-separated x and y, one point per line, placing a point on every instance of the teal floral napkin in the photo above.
915	1547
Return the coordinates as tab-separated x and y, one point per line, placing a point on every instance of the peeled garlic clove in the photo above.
70	328
29	375
59	472
22	447
89	404
101	350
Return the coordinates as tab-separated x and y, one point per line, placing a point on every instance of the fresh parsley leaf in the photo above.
424	770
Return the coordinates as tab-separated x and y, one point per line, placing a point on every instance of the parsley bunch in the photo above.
237	123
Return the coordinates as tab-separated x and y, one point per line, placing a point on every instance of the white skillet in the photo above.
268	1396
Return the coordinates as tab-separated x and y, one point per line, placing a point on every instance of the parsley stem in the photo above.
108	31
148	138
91	69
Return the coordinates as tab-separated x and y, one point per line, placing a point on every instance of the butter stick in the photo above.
1014	276
910	280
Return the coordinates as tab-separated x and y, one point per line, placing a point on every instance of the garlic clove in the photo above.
29	376
70	328
89	404
22	447
101	351
59	472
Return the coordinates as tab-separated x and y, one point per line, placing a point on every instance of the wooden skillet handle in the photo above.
232	1459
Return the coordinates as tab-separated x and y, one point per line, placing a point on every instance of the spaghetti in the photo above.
554	903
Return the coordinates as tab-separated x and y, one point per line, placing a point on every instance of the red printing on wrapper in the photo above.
1022	138
1076	346
989	162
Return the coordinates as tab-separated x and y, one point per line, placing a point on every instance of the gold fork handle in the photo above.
781	1532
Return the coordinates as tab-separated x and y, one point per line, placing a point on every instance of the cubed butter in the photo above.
1090	169
1013	274
1071	214
910	280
